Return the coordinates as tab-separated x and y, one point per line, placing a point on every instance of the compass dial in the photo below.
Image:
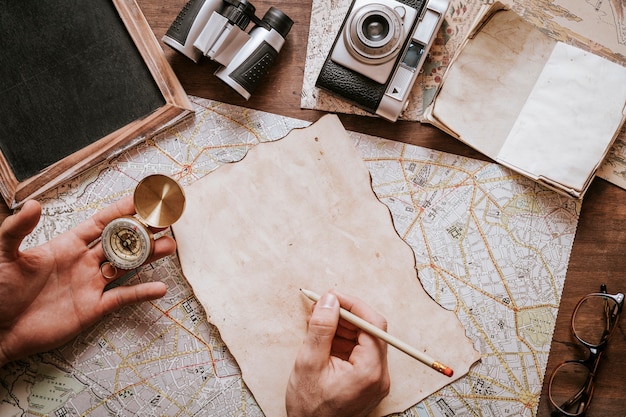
127	243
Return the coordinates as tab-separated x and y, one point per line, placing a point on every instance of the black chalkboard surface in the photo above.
74	73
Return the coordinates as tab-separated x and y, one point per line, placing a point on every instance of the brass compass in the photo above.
128	241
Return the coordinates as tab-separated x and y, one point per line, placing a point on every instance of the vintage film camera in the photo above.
379	51
216	29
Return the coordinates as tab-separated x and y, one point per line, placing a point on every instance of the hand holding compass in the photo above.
128	241
51	292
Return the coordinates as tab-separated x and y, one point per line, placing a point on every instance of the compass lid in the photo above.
159	200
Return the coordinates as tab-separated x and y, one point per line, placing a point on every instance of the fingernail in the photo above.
328	300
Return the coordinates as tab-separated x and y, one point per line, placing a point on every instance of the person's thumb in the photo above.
15	228
322	327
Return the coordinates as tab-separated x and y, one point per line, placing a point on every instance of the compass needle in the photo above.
127	243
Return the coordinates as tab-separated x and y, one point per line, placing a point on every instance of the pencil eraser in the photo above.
448	372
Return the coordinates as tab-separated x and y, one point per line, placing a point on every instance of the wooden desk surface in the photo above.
598	252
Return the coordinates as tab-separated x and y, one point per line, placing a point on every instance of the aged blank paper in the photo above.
301	213
543	108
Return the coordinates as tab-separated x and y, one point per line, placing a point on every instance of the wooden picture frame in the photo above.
81	81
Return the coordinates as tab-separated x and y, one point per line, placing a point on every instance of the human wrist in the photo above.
3	358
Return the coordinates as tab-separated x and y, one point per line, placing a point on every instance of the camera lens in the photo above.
374	33
375	28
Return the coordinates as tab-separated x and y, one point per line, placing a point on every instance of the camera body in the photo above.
217	29
379	52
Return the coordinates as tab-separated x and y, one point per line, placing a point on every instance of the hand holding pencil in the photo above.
383	335
339	371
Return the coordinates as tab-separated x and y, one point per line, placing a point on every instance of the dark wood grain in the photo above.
598	253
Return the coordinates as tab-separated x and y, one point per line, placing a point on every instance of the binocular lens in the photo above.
278	20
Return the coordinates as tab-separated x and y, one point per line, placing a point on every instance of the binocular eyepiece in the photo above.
216	29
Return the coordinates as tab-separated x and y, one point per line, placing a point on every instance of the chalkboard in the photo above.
78	80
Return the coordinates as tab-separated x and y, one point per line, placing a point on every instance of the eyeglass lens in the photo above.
592	321
571	389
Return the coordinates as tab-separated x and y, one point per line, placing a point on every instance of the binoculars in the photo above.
217	29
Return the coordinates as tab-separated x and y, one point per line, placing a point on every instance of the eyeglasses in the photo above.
572	382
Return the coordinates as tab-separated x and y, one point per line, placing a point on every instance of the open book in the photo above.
545	109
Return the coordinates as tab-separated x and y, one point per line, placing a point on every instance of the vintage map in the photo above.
489	245
598	26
